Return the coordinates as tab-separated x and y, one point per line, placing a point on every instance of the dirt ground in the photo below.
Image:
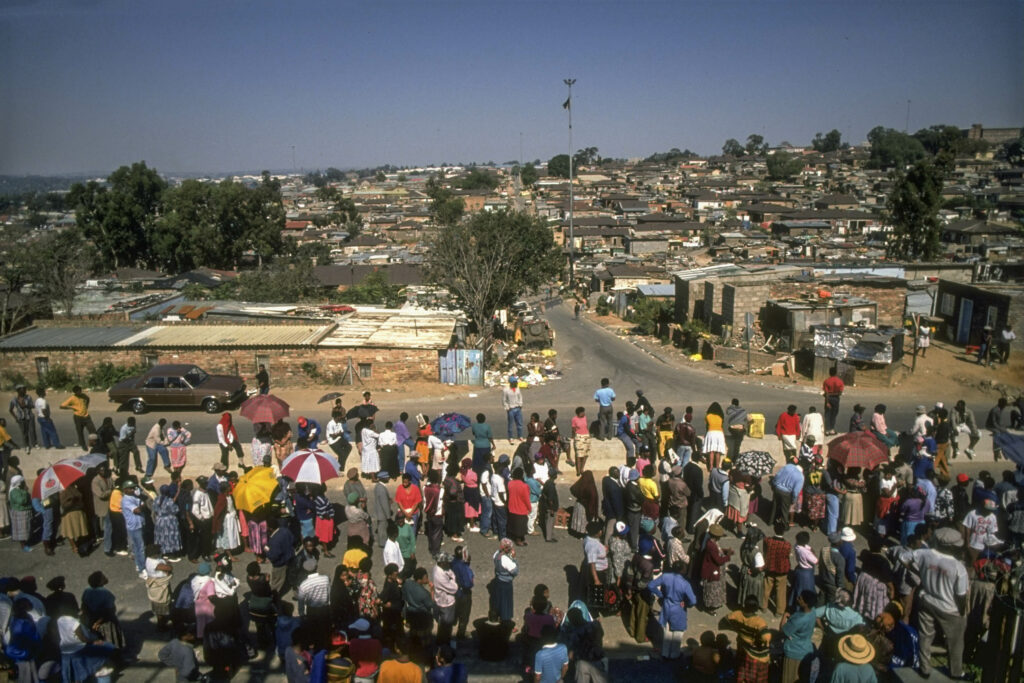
944	363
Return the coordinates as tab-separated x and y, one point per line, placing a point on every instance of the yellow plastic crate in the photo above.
756	427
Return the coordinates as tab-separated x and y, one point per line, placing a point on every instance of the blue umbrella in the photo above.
449	424
1011	445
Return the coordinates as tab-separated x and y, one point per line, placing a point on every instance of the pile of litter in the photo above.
528	367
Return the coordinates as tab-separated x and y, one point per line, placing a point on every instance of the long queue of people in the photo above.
637	559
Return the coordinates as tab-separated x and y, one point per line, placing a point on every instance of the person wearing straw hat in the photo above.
857	654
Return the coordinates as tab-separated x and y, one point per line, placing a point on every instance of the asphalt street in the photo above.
586	353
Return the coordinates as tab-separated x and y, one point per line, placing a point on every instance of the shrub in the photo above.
311	370
9	380
602	307
59	377
105	375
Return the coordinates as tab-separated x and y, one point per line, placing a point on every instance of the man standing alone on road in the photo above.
512	402
263	379
833	389
78	404
605	413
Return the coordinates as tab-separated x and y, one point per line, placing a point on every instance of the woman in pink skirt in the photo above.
470	492
324	528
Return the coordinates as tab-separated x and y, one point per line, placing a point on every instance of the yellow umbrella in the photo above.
255	489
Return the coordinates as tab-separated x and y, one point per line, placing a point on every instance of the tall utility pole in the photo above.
572	246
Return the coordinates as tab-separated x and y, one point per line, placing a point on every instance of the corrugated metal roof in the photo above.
389	329
205	336
67	338
166	336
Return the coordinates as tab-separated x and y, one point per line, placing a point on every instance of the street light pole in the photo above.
572	246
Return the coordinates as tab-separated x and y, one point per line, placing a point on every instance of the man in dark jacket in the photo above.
549	506
676	496
735	428
632	500
280	555
611	502
693	476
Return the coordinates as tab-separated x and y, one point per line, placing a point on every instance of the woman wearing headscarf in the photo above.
74	526
751	581
712	575
506	569
227	438
21	512
166	525
370	457
714	438
226	527
99	610
203	590
586	509
470	493
178	440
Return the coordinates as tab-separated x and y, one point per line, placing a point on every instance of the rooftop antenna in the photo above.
568	106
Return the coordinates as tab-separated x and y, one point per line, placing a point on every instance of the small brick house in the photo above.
383	346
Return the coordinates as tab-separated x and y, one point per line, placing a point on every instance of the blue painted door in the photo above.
963	327
461	366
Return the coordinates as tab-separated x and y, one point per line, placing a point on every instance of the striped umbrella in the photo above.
64	473
310	465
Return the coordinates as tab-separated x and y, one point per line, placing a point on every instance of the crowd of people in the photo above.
672	528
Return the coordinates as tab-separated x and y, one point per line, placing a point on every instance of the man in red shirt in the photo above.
787	428
833	390
776	566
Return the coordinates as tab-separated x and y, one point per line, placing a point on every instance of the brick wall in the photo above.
285	365
891	300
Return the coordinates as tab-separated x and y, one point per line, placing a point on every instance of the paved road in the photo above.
586	352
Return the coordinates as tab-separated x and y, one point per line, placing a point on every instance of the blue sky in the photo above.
227	85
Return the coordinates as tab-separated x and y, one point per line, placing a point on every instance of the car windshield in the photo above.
196	376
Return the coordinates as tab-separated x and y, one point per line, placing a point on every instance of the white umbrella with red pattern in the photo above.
64	473
310	465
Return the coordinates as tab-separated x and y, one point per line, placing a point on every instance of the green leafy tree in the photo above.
935	139
893	149
732	148
478	179
283	282
261	234
913	208
756	145
558	166
16	270
120	217
1013	151
445	207
375	290
528	175
830	142
490	260
586	157
380	177
783	166
652	317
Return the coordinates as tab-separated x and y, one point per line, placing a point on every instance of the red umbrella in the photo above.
310	465
858	449
64	473
264	408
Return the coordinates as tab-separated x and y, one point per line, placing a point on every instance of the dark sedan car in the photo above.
178	386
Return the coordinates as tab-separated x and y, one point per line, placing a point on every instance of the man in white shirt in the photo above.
314	591
499	498
512	402
942	597
335	434
47	430
438	454
392	552
922	423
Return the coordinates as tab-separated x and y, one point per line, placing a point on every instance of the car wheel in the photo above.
137	406
211	405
